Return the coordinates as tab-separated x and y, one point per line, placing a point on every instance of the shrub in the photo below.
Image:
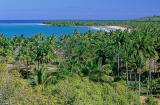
78	90
16	91
151	101
3	68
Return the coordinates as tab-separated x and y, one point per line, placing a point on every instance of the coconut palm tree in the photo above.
119	42
142	49
5	48
126	48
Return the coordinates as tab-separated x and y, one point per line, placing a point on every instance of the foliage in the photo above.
81	22
78	90
152	18
151	101
82	68
16	91
41	78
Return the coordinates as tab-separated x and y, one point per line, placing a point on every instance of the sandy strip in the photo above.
108	28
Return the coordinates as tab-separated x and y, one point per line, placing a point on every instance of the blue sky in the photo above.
78	9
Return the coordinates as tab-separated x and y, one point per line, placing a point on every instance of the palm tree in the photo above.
38	49
126	46
152	54
119	42
50	46
5	48
18	43
142	49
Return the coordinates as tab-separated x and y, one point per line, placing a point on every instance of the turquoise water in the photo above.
31	29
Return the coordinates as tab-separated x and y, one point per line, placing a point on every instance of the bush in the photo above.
78	90
3	68
16	91
151	101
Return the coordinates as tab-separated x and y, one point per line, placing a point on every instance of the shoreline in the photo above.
108	28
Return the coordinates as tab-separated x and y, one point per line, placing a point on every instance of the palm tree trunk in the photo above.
149	77
135	77
148	85
38	65
130	75
154	64
127	71
118	64
139	84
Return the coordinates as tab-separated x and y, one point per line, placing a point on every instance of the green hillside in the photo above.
152	18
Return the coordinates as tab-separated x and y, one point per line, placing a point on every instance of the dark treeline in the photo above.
93	68
82	22
149	19
126	23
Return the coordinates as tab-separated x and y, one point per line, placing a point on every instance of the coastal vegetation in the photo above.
149	19
80	22
92	68
127	23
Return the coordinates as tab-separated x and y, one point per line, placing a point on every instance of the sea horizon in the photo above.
42	20
22	21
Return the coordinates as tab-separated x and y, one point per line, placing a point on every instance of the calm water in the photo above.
31	28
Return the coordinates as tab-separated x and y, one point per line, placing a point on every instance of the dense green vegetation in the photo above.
93	68
153	18
81	22
126	23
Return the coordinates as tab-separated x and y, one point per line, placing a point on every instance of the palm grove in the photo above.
93	68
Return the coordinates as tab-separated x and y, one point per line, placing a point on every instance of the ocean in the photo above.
30	28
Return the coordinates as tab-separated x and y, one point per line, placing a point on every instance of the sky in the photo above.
78	9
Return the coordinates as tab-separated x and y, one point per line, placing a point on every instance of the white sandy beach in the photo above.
108	28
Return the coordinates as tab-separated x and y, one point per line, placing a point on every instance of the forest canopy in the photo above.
92	68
